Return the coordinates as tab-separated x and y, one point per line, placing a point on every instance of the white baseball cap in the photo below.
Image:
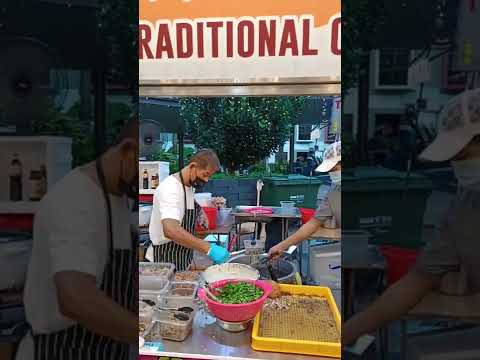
459	124
331	157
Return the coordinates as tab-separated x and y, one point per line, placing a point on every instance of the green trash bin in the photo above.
387	203
301	189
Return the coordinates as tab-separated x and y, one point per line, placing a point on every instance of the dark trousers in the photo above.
274	233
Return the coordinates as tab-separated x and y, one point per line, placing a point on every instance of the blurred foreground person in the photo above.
449	264
80	292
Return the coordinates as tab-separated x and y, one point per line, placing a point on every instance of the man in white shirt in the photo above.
172	225
80	292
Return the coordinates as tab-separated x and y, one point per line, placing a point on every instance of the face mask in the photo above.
336	177
198	182
467	172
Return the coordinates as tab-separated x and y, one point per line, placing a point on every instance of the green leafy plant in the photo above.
361	20
243	131
118	30
280	167
172	156
54	122
239	293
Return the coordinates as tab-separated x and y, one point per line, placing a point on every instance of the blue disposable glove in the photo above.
218	254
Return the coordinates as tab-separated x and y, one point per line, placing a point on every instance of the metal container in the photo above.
284	269
15	250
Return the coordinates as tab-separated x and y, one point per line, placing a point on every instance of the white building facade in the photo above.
391	90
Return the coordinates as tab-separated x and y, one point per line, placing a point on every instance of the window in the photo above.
392	68
304	132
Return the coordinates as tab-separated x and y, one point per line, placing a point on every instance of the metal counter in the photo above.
209	341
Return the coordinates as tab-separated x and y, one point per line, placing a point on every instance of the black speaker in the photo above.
69	27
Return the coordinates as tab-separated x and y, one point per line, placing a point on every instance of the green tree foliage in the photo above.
118	28
361	20
243	131
54	122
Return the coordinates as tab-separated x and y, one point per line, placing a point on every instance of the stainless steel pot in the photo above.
284	269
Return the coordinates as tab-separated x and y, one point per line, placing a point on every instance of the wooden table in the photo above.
242	215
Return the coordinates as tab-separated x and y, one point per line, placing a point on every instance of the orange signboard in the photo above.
218	39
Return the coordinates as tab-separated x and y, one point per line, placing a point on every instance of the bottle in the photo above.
154	183
36	185
15	173
145	179
43	170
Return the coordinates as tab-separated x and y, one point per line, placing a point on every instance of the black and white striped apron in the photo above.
172	252
78	342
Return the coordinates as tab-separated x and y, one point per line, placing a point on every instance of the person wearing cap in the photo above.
448	265
328	214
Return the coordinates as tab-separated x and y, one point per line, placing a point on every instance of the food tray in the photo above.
154	276
179	294
143	324
168	326
157	269
186	276
306	347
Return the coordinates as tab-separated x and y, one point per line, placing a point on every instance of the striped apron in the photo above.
78	342
172	252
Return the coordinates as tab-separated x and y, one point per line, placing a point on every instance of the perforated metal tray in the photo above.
299	330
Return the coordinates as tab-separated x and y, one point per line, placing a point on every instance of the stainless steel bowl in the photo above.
234	326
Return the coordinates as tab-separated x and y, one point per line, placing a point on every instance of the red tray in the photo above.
260	211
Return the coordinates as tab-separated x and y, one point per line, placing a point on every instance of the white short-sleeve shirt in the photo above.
168	203
70	234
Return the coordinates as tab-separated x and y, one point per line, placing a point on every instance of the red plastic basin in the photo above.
307	214
236	312
399	261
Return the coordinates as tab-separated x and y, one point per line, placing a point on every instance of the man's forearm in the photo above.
81	300
303	233
395	302
173	231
